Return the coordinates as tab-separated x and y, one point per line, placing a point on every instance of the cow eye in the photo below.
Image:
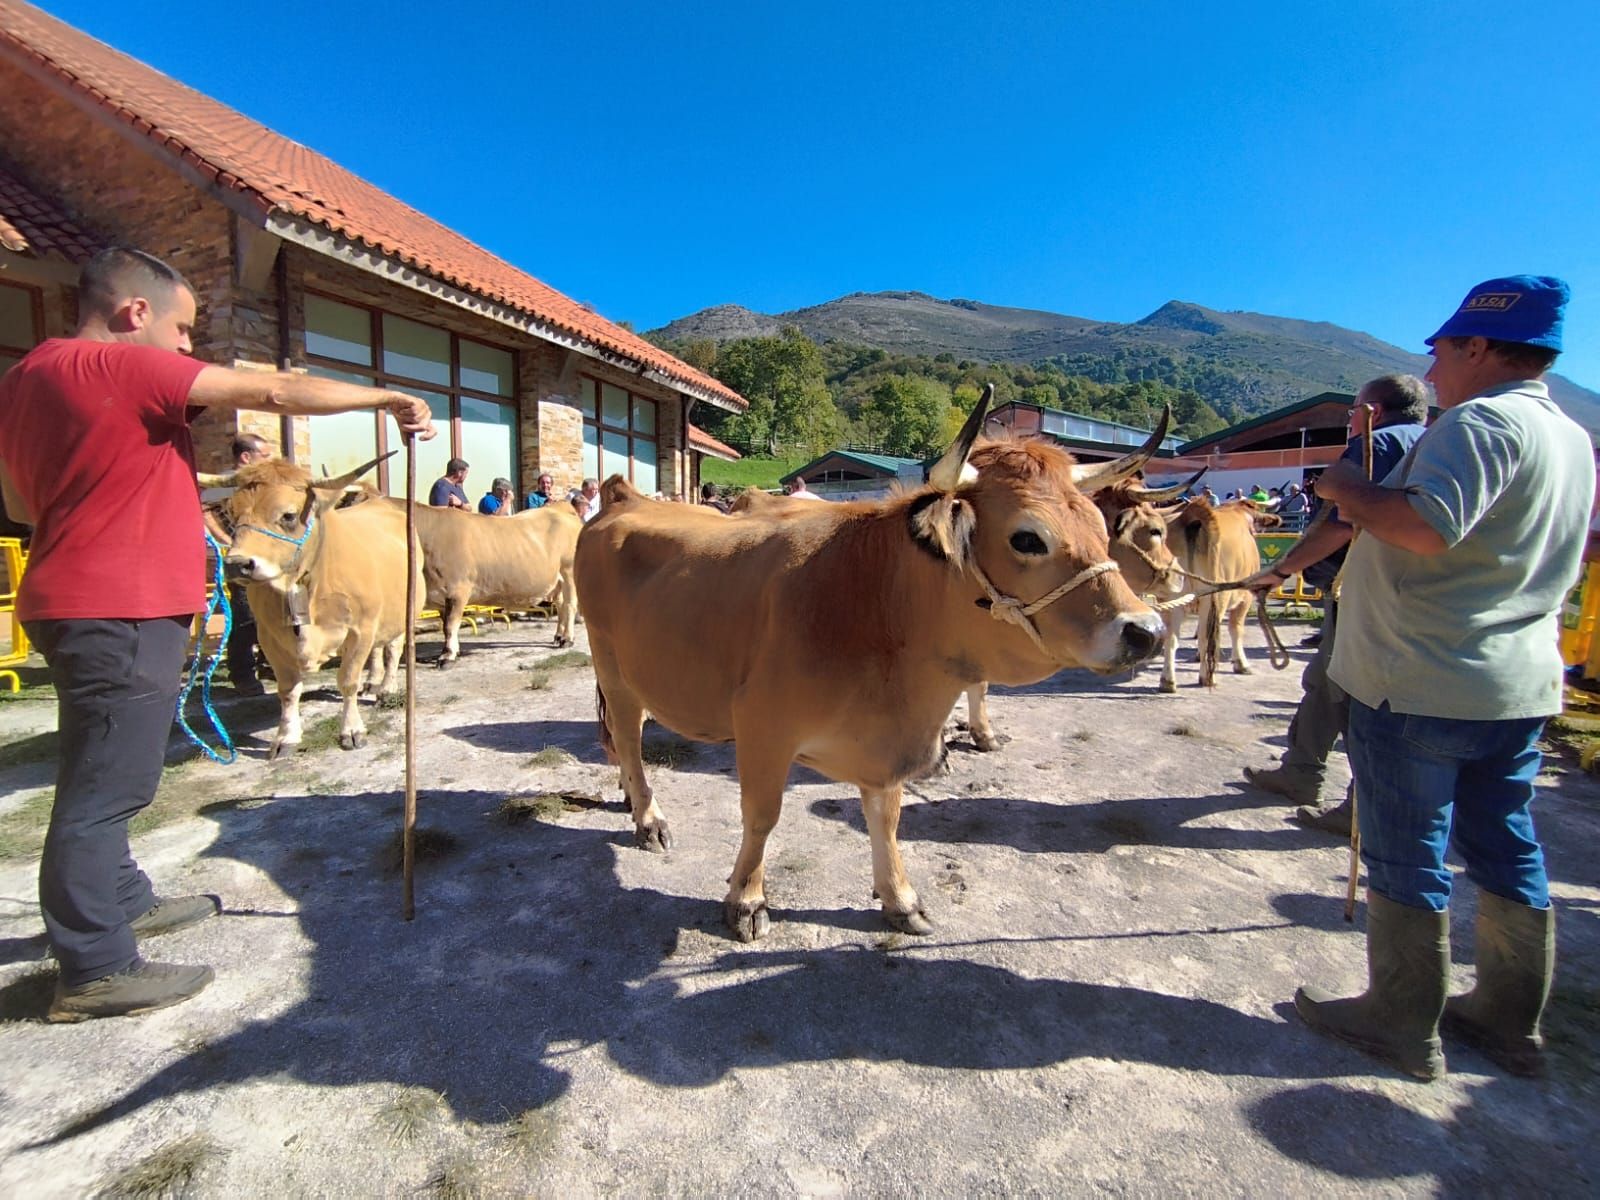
1026	541
288	520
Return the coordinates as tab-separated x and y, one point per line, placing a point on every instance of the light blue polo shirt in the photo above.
1507	480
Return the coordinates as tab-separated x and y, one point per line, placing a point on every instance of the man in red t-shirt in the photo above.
95	451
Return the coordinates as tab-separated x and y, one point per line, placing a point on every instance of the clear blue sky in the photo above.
1361	163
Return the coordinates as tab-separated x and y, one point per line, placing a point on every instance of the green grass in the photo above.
565	660
170	1171
749	472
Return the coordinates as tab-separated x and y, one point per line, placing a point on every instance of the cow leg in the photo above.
1236	619
762	774
901	908
287	737
566	607
352	666
1169	650
983	734
1209	634
625	721
454	609
392	654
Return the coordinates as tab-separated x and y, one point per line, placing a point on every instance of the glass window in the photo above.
416	351
485	369
341	442
644	416
432	457
586	397
614	459
615	406
340	331
488	442
644	465
591	453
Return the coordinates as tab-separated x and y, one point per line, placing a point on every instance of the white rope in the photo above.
1009	608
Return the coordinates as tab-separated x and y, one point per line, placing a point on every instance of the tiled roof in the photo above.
703	442
279	176
31	225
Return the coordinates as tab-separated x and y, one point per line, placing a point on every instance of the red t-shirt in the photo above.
95	436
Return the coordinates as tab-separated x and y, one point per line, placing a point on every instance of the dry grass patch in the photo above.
550	756
668	750
170	1172
533	1134
544	806
539	681
564	661
428	845
28	998
406	1116
458	1178
1185	729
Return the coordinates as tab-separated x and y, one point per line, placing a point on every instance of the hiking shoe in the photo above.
143	987
1312	639
1294	785
249	687
174	913
1330	818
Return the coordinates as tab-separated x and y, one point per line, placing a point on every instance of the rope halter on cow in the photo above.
1009	608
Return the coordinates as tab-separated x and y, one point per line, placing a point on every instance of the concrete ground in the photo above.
1103	1005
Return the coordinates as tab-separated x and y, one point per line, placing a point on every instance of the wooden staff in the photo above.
1355	824
408	828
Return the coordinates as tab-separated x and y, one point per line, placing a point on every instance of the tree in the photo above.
906	415
782	378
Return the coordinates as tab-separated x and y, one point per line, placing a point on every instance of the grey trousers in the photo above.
116	691
1324	709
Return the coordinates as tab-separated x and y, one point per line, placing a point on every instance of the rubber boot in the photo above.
1516	957
1408	967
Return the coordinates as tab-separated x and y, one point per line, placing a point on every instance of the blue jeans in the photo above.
1421	781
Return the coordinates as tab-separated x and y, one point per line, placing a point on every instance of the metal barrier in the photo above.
15	559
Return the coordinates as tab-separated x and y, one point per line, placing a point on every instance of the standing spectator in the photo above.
543	493
1400	406
1294	506
591	500
1209	496
711	497
447	491
1257	493
798	490
1447	651
242	670
95	448
498	501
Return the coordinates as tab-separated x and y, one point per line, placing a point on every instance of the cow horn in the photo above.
340	482
1162	495
951	471
206	480
1091	477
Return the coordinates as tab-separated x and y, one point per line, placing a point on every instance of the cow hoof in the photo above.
990	744
280	750
916	921
747	921
562	641
443	663
1243	669
352	741
655	838
1170	686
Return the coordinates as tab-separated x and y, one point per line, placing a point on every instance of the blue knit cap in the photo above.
1518	308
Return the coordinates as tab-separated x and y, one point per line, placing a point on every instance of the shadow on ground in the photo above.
472	1008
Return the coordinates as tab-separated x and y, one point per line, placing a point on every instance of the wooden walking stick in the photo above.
1355	824
408	829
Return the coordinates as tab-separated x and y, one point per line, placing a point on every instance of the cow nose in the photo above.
239	568
1141	636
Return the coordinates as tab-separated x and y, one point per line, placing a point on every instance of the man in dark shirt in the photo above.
447	491
1400	406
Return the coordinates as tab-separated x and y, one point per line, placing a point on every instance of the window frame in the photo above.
35	311
601	427
453	391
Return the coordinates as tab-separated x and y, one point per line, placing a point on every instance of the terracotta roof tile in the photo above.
702	441
31	225
281	176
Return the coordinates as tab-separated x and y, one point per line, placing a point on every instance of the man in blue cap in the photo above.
1448	652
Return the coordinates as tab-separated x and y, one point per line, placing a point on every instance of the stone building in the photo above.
298	263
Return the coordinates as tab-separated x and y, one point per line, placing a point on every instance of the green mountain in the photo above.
1238	362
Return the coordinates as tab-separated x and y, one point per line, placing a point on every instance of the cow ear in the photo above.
1121	525
942	525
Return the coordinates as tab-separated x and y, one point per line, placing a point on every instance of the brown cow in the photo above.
471	558
845	631
1219	545
321	581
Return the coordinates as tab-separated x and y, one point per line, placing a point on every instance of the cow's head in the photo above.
1136	521
1016	512
275	513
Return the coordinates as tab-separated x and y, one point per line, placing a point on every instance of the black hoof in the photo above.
352	741
747	921
656	839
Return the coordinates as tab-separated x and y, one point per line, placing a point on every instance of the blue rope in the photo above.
219	597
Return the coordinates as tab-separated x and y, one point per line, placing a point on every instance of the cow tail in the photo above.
606	744
1210	639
